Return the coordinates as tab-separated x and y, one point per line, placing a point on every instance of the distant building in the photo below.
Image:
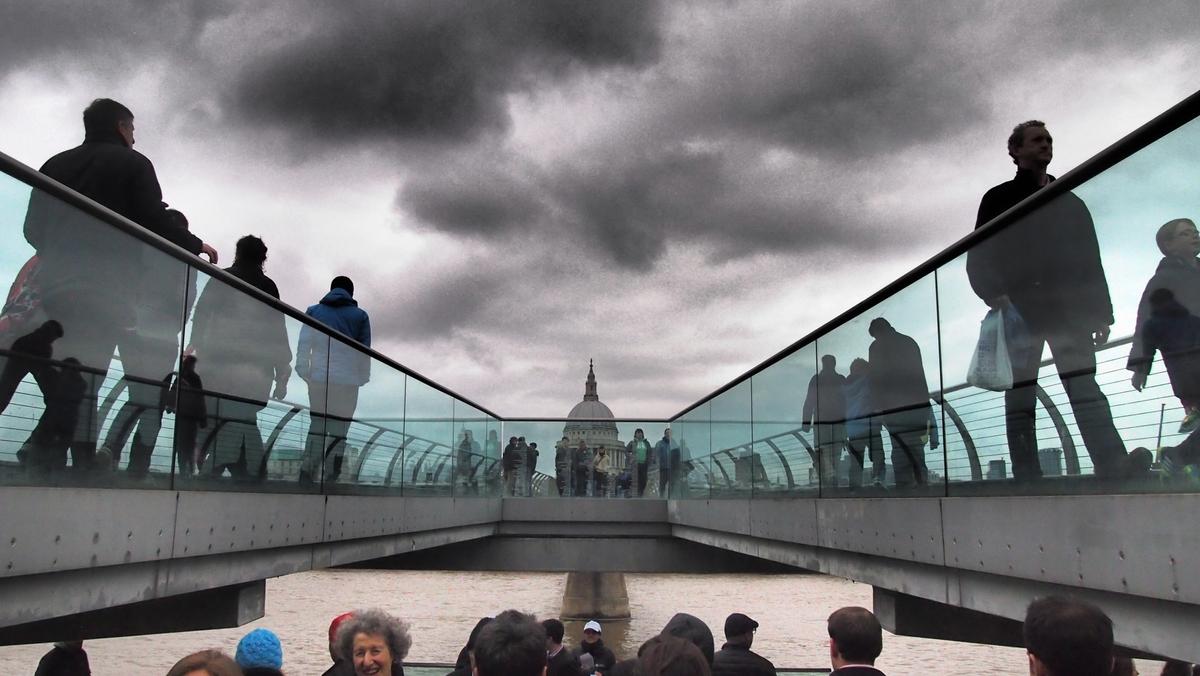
593	422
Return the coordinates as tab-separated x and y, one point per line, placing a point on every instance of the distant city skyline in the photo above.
675	190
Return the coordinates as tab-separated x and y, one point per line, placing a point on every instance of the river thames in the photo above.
442	607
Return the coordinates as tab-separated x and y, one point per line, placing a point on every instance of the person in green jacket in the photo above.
638	451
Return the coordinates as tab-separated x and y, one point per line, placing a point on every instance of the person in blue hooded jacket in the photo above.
334	371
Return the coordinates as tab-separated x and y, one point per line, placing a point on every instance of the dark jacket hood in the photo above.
693	629
338	298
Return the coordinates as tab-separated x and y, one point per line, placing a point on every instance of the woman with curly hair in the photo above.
375	642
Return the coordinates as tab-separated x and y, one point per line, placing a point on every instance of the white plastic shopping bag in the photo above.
991	365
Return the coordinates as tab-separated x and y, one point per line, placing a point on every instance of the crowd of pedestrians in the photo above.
1063	637
88	293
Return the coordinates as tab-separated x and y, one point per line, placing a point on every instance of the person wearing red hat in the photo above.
341	666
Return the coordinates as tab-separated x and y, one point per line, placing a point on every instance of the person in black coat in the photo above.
855	641
900	393
825	407
91	273
1047	266
65	659
559	660
244	347
593	647
735	657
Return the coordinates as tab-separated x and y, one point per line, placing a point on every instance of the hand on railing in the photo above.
207	249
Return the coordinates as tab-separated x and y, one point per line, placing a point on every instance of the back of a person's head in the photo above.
261	651
208	662
102	116
554	629
693	629
250	250
857	634
667	655
342	282
1177	668
1068	636
513	644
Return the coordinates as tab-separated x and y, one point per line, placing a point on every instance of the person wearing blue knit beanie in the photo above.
259	653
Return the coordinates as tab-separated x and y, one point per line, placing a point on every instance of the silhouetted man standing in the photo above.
900	392
90	270
1047	266
825	407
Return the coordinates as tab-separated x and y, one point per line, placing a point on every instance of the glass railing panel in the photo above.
364	426
781	394
693	431
429	423
532	455
1081	265
470	466
256	409
64	397
732	454
896	430
489	473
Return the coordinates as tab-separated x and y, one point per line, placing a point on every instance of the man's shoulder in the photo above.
857	671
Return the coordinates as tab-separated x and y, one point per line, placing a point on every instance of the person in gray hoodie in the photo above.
334	371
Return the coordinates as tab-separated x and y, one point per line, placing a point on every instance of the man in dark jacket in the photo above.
593	646
735	657
334	372
559	660
855	641
90	271
825	407
1047	266
900	392
666	456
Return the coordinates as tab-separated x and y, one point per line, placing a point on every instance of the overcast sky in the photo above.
675	190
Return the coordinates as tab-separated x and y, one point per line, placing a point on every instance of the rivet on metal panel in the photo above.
1121	554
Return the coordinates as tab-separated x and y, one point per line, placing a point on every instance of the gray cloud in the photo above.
112	35
433	71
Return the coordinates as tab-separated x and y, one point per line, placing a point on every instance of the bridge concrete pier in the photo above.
595	595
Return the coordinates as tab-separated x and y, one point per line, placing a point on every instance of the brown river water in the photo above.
442	607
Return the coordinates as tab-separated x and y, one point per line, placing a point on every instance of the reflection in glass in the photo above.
784	446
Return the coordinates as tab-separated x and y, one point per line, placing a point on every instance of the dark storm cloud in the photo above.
108	34
860	80
632	205
434	71
462	199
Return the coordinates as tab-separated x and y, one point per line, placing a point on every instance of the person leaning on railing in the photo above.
90	273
